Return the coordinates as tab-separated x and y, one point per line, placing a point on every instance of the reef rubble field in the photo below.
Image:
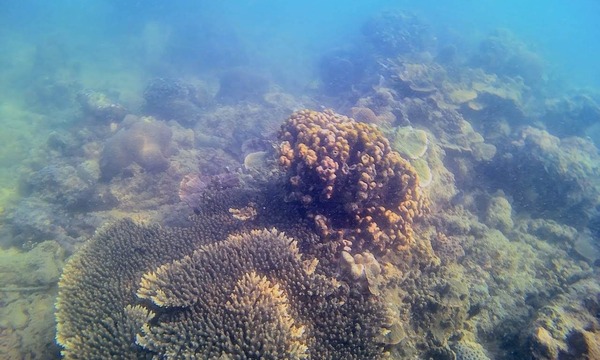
416	203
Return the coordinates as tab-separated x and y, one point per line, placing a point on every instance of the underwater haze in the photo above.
300	179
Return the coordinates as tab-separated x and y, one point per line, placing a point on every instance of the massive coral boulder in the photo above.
171	99
360	193
144	141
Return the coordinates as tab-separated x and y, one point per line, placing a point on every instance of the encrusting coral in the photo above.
360	193
217	289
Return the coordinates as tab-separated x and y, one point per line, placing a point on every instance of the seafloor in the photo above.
481	241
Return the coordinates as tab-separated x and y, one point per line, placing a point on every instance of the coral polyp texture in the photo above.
360	193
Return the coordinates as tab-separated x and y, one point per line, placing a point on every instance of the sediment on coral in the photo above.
360	194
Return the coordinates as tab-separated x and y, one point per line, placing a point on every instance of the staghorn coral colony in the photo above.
445	207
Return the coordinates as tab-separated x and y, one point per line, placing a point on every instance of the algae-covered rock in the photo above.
568	327
27	289
549	177
410	142
39	267
498	214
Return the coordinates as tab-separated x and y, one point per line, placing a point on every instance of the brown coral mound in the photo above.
361	194
139	292
145	142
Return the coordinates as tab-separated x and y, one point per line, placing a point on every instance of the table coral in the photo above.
360	193
216	288
268	303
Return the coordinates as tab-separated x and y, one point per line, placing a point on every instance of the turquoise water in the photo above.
138	109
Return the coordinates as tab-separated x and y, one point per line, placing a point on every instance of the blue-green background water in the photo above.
280	36
121	45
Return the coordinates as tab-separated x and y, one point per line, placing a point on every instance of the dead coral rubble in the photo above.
360	193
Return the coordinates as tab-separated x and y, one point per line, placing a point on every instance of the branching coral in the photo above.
254	294
214	290
360	193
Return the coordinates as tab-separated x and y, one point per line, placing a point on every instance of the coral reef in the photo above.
488	100
413	144
232	127
99	107
360	193
576	114
502	53
394	33
550	177
567	327
410	142
65	185
498	214
313	315
144	141
32	221
469	350
416	79
340	70
242	85
233	303
171	99
194	186
305	240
